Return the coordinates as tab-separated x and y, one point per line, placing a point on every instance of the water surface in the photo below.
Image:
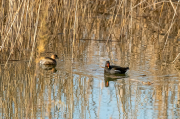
77	88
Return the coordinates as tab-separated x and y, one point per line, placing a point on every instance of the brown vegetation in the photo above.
31	28
35	25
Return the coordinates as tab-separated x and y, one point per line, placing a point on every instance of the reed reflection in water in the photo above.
78	89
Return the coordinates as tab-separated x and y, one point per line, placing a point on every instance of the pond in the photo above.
77	88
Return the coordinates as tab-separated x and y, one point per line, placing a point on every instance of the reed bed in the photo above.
33	25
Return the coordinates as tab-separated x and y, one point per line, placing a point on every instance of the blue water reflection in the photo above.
80	90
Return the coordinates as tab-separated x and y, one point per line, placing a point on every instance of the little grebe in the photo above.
49	60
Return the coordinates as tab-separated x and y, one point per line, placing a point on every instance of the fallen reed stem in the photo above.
176	58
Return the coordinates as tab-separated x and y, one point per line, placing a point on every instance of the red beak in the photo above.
108	65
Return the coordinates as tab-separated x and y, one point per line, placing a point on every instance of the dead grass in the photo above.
23	27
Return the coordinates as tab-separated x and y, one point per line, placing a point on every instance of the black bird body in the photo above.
112	69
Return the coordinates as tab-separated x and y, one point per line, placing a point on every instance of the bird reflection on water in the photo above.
49	67
108	78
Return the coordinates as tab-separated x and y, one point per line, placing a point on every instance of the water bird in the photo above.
49	60
111	69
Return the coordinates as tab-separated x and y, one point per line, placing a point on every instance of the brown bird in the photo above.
49	60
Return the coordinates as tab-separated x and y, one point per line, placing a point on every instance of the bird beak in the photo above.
108	66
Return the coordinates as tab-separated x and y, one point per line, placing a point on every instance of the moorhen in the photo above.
111	69
49	60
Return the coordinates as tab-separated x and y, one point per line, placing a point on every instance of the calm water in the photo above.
78	88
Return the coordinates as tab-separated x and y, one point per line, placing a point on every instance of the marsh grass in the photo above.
35	24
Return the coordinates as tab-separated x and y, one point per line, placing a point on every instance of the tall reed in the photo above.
29	25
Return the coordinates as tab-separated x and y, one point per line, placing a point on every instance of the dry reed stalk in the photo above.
157	3
113	20
36	24
173	7
139	4
168	32
75	29
19	28
17	12
131	27
2	18
176	58
44	31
